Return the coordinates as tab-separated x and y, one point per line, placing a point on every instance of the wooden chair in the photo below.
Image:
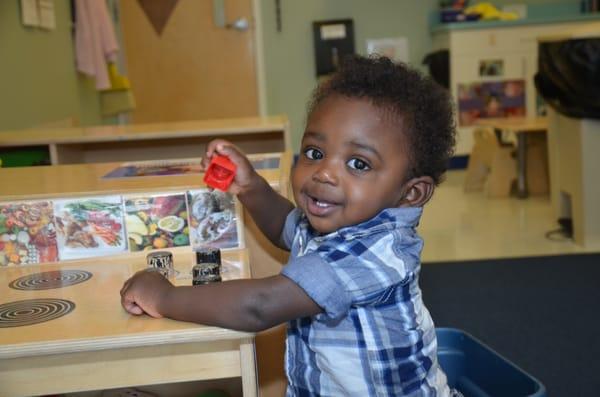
492	165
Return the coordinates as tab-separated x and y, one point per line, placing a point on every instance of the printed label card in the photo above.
156	221
214	219
89	227
27	233
265	161
156	168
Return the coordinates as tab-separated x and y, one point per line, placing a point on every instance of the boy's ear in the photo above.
418	191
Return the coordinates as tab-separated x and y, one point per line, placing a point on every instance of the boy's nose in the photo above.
326	174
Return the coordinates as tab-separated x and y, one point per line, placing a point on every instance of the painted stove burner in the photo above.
50	280
33	311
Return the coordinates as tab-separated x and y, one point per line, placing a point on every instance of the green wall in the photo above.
289	60
38	80
39	83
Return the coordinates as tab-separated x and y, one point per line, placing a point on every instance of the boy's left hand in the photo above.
144	293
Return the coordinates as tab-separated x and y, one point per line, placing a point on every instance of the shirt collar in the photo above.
387	220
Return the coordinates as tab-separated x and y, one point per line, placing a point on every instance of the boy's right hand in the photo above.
144	292
245	174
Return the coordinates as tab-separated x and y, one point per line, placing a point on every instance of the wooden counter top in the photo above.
98	322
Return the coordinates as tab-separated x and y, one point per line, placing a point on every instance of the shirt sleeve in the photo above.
319	280
360	273
370	269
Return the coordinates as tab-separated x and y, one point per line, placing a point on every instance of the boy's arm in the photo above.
268	208
247	305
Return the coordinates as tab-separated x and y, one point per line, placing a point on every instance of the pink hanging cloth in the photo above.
95	40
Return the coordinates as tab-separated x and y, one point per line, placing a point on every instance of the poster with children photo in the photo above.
214	220
495	99
156	221
89	227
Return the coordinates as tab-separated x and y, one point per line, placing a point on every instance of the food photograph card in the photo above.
156	221
214	220
89	227
27	233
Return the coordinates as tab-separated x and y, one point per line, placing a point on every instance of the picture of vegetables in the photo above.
89	227
156	222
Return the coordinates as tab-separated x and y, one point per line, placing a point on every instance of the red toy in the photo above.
220	173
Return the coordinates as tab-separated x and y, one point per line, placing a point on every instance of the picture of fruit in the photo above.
171	223
160	242
136	237
156	222
135	225
181	239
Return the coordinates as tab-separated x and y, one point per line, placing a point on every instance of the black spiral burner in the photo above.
33	311
50	280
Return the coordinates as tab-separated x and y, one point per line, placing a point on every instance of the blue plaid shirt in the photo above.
375	337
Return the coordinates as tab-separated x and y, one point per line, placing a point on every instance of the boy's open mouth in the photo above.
320	207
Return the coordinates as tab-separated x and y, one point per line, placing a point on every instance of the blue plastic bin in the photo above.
478	371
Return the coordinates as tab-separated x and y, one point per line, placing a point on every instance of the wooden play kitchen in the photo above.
62	328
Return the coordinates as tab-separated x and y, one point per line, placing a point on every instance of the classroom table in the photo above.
519	128
135	142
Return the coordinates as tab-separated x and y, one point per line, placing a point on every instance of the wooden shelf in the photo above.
152	141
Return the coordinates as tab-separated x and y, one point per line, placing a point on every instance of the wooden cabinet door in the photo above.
192	70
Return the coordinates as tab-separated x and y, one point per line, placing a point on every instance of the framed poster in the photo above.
495	99
395	48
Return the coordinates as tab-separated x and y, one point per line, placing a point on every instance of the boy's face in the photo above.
352	164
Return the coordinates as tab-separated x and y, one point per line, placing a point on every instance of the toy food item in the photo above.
220	173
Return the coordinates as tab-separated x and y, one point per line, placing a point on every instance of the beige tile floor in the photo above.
462	226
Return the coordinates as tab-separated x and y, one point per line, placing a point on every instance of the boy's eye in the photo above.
313	154
358	164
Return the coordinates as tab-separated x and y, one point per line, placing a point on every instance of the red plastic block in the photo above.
220	173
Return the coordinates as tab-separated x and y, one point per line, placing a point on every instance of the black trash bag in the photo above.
438	63
568	76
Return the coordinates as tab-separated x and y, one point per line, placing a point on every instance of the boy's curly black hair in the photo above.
423	108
